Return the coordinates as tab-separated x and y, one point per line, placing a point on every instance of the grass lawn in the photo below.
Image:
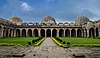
81	41
16	40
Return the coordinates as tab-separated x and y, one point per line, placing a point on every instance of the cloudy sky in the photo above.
61	10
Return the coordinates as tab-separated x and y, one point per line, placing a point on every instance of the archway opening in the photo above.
1	30
54	33
61	33
18	33
67	33
97	33
35	32
73	33
91	32
79	33
24	33
42	33
6	33
48	33
30	33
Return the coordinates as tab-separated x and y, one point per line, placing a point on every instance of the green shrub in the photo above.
29	43
64	42
68	43
33	41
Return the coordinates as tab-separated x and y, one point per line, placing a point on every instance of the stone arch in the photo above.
42	33
30	33
24	33
67	33
48	32
54	33
97	32
35	32
73	33
18	33
91	32
61	33
79	33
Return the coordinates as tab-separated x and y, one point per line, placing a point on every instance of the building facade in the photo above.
82	27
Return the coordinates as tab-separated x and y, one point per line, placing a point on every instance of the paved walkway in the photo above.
48	49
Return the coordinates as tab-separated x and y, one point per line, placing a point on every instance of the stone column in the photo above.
8	32
45	33
51	32
94	32
1	32
20	32
14	32
26	32
39	33
99	34
76	32
70	32
84	33
57	33
87	32
33	32
64	32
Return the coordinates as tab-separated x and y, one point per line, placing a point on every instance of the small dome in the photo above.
72	24
81	20
48	19
16	20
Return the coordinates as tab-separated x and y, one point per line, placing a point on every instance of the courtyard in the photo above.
48	49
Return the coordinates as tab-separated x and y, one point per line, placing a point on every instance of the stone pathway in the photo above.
48	49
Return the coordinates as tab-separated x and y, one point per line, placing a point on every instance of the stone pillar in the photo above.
2	33
99	34
76	32
64	32
39	33
33	32
84	33
51	32
57	33
45	33
70	32
8	32
26	32
20	32
14	32
94	32
87	32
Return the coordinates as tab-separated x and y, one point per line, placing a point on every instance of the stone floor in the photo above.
48	49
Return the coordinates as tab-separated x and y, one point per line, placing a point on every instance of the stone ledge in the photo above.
18	55
79	55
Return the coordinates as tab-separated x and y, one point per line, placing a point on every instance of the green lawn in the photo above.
81	41
16	40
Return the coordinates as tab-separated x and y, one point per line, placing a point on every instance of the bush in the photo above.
29	43
33	41
64	42
68	43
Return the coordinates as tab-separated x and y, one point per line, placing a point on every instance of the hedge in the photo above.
57	42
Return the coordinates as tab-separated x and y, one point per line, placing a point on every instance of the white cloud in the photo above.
26	7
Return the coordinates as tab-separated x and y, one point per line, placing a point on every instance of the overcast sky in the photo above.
61	10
